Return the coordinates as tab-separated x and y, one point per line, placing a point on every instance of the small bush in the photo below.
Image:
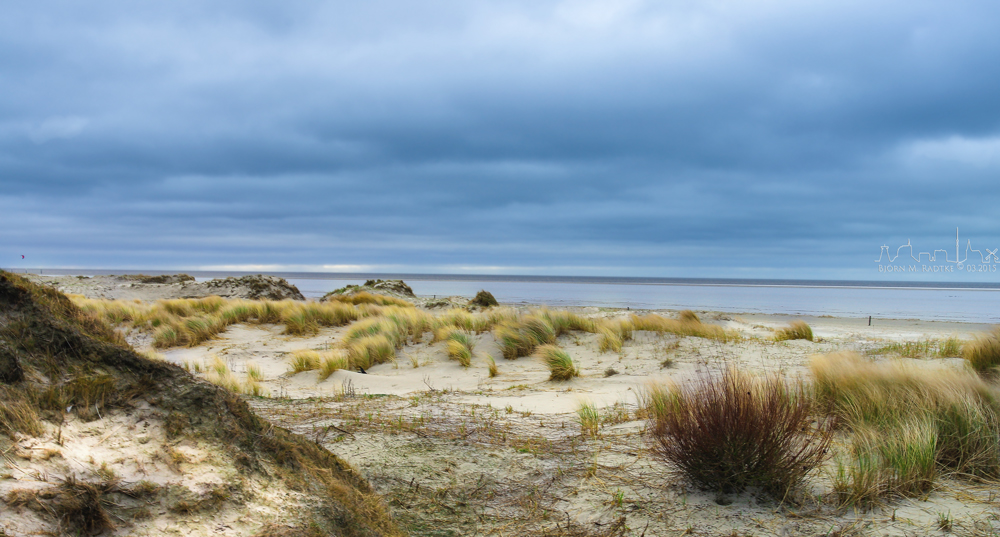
560	364
484	299
796	330
731	431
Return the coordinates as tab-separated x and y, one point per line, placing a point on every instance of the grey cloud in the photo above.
486	133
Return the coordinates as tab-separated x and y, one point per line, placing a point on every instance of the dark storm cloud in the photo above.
625	137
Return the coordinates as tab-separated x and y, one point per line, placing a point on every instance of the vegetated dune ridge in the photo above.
99	439
142	287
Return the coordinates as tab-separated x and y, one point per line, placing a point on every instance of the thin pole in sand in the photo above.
869	320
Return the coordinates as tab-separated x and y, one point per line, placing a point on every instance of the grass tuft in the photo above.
942	348
983	354
560	364
460	347
589	419
17	414
795	330
688	316
370	350
332	361
521	337
897	415
364	297
305	360
686	326
254	372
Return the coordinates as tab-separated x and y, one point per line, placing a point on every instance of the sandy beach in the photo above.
456	451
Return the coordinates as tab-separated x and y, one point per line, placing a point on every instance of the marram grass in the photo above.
305	360
190	322
559	362
521	337
928	348
460	347
795	330
899	413
983	354
331	362
687	325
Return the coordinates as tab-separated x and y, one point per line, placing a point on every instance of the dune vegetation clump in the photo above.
484	299
688	316
928	348
564	322
521	337
192	321
332	361
559	362
460	347
614	333
305	360
687	325
907	424
733	430
795	330
364	297
983	354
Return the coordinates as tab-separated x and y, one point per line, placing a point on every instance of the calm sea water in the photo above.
967	302
969	305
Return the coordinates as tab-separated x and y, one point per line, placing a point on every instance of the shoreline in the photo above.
530	278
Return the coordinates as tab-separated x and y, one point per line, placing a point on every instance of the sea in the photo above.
962	302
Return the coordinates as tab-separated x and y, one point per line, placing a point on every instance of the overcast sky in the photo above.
689	138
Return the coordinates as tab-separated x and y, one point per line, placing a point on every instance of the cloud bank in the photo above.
734	139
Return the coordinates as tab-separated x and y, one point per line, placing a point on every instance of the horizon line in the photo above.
535	278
